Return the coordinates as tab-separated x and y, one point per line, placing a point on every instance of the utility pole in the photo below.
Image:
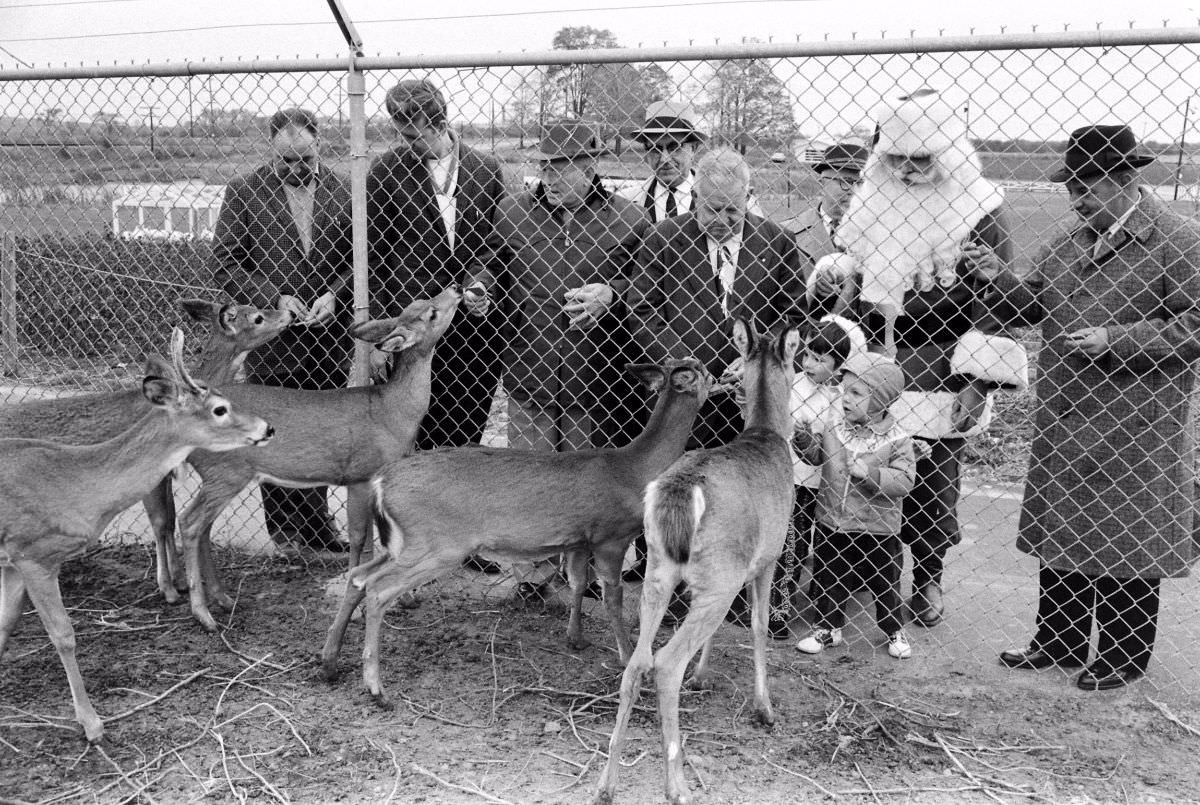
191	113
150	113
1187	104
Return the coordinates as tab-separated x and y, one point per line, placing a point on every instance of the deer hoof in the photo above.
699	683
764	717
383	702
578	643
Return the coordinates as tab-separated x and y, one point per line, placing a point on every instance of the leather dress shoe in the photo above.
1099	676
1034	659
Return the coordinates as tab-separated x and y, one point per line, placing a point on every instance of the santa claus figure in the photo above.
922	218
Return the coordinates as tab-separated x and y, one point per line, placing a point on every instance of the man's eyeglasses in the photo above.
843	183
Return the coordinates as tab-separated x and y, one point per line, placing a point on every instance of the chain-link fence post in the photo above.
356	92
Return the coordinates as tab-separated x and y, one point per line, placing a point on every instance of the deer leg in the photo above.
382	589
656	595
358	522
12	596
337	630
214	590
195	524
760	597
577	577
608	559
41	584
706	614
160	509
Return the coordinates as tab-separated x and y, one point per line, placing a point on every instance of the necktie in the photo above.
672	207
726	269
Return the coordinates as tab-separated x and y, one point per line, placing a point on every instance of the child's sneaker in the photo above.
898	646
819	639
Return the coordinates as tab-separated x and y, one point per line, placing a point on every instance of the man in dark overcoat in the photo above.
1108	507
283	240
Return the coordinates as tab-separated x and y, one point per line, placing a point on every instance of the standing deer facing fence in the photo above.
234	330
717	519
335	437
438	507
56	499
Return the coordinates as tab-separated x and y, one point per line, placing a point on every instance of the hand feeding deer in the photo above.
234	330
716	519
334	437
437	507
56	499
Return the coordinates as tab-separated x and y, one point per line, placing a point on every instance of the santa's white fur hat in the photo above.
919	124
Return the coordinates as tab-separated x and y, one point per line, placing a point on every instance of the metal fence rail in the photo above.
111	180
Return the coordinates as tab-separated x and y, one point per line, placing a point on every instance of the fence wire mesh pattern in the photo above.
596	214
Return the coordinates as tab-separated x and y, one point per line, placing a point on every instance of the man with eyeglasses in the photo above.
283	241
840	172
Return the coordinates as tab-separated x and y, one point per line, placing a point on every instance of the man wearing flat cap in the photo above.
551	245
1108	498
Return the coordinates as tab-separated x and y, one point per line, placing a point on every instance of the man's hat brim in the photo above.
542	156
1100	167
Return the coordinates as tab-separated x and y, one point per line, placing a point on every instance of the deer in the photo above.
437	507
56	499
335	437
716	519
234	330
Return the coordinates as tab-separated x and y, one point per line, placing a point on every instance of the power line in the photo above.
69	3
20	61
444	18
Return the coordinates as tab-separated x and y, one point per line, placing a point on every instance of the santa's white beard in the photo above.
907	235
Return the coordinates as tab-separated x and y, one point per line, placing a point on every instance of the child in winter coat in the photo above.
816	407
867	467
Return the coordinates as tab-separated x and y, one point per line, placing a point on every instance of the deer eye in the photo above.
433	314
220	410
258	319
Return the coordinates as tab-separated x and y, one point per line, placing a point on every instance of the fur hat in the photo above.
919	124
881	374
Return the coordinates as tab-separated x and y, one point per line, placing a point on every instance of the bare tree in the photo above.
747	101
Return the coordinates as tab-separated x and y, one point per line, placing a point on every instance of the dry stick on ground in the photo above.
396	764
803	777
279	715
866	782
159	697
120	772
1162	708
256	660
267	786
986	783
475	790
238	794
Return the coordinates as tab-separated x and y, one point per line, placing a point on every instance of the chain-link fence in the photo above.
125	190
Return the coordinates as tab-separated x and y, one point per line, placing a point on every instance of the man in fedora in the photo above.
840	172
1108	498
551	245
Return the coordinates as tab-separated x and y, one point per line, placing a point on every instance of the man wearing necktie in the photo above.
692	275
431	204
283	240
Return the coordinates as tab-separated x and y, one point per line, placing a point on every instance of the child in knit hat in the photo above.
867	468
816	406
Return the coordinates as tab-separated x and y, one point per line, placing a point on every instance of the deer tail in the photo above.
674	506
383	524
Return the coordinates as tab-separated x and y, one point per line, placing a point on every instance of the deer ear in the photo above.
399	339
199	309
652	376
160	391
158	366
226	316
684	378
372	330
743	336
789	345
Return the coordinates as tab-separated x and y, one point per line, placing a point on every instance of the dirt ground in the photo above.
492	707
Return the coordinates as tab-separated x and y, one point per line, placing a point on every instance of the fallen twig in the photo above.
1162	708
158	698
803	777
476	790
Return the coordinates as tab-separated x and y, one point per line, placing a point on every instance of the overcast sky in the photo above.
84	31
1039	94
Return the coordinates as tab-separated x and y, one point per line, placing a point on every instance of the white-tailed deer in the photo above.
717	520
336	437
234	330
56	499
436	508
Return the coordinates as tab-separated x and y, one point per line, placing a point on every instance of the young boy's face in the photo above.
856	401
819	367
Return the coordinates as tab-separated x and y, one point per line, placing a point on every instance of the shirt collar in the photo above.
830	224
734	243
880	428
